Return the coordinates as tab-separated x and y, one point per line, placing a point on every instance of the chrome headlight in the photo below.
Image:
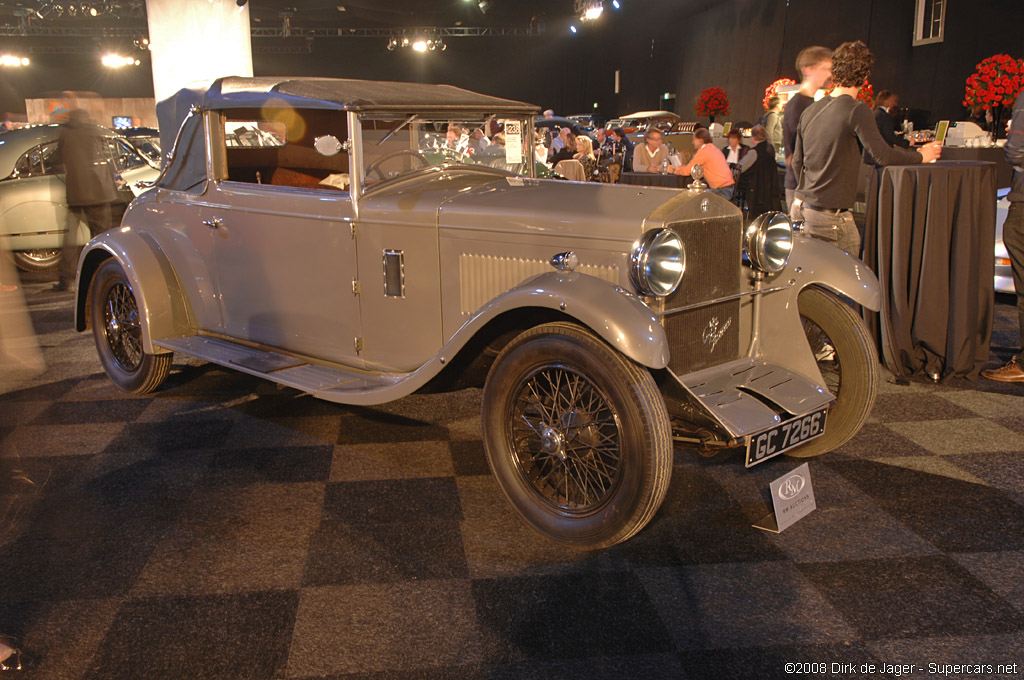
769	242
658	262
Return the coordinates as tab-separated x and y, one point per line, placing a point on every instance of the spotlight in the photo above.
93	11
392	44
405	42
616	5
572	28
484	5
9	60
117	61
72	10
420	46
441	46
43	11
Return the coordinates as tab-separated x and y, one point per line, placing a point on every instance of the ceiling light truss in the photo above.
279	32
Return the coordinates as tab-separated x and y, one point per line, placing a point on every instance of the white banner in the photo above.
194	41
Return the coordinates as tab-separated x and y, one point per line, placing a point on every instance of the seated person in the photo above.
737	154
603	146
585	155
649	156
621	144
566	148
716	170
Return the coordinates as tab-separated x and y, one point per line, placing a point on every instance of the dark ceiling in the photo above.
317	13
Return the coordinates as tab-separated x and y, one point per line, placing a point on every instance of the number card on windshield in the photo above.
513	141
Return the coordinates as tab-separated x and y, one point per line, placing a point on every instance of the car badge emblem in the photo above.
705	205
712	334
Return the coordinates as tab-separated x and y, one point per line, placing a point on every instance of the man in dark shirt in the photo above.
885	103
91	188
1013	235
827	155
814	64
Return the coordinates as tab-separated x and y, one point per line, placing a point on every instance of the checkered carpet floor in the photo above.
225	528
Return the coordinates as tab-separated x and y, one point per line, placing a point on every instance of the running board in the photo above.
745	396
323	382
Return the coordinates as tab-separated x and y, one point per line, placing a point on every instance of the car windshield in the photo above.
396	144
148	147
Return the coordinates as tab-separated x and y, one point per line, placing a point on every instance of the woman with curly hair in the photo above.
827	155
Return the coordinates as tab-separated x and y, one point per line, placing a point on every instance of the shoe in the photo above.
1011	372
61	286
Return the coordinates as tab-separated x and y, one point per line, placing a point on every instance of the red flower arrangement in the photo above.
773	90
865	94
996	83
712	102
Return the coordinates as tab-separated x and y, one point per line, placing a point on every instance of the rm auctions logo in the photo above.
793	485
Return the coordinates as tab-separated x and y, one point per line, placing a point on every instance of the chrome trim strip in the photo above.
727	298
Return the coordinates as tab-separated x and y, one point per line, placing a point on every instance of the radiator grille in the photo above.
713	250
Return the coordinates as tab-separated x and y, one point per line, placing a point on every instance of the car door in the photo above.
286	262
34	202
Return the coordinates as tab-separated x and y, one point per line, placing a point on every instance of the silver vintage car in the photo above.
33	196
316	233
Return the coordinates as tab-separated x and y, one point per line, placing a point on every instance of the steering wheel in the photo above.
374	166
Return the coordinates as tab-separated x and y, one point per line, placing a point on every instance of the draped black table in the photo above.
929	236
655	179
992	154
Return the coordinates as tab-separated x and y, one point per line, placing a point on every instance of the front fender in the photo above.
813	262
163	311
618	317
818	262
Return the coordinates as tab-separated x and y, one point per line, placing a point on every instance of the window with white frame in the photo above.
929	21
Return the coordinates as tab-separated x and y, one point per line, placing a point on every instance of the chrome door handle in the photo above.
213	222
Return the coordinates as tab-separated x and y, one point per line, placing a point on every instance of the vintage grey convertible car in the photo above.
339	253
33	197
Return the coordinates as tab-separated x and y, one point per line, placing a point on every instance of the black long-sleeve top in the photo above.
798	103
827	154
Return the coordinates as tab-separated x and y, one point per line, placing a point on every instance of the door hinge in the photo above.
355	286
352	228
358	344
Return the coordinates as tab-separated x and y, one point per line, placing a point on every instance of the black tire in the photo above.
848	362
39	260
117	330
558	404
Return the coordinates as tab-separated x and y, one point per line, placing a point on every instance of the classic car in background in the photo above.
605	323
641	120
33	197
553	125
1004	272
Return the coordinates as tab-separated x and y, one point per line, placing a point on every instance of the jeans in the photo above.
1013	238
724	192
837	228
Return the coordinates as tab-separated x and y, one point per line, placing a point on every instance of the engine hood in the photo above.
531	206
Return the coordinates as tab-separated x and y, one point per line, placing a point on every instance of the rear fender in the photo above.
163	309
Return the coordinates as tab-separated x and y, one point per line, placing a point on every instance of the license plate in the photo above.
785	436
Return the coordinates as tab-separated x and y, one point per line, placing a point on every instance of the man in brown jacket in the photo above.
91	187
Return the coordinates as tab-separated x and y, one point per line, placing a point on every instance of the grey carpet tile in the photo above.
222	527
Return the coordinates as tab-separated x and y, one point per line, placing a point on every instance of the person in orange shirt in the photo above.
716	171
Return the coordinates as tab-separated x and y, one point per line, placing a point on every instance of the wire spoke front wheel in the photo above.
566	439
